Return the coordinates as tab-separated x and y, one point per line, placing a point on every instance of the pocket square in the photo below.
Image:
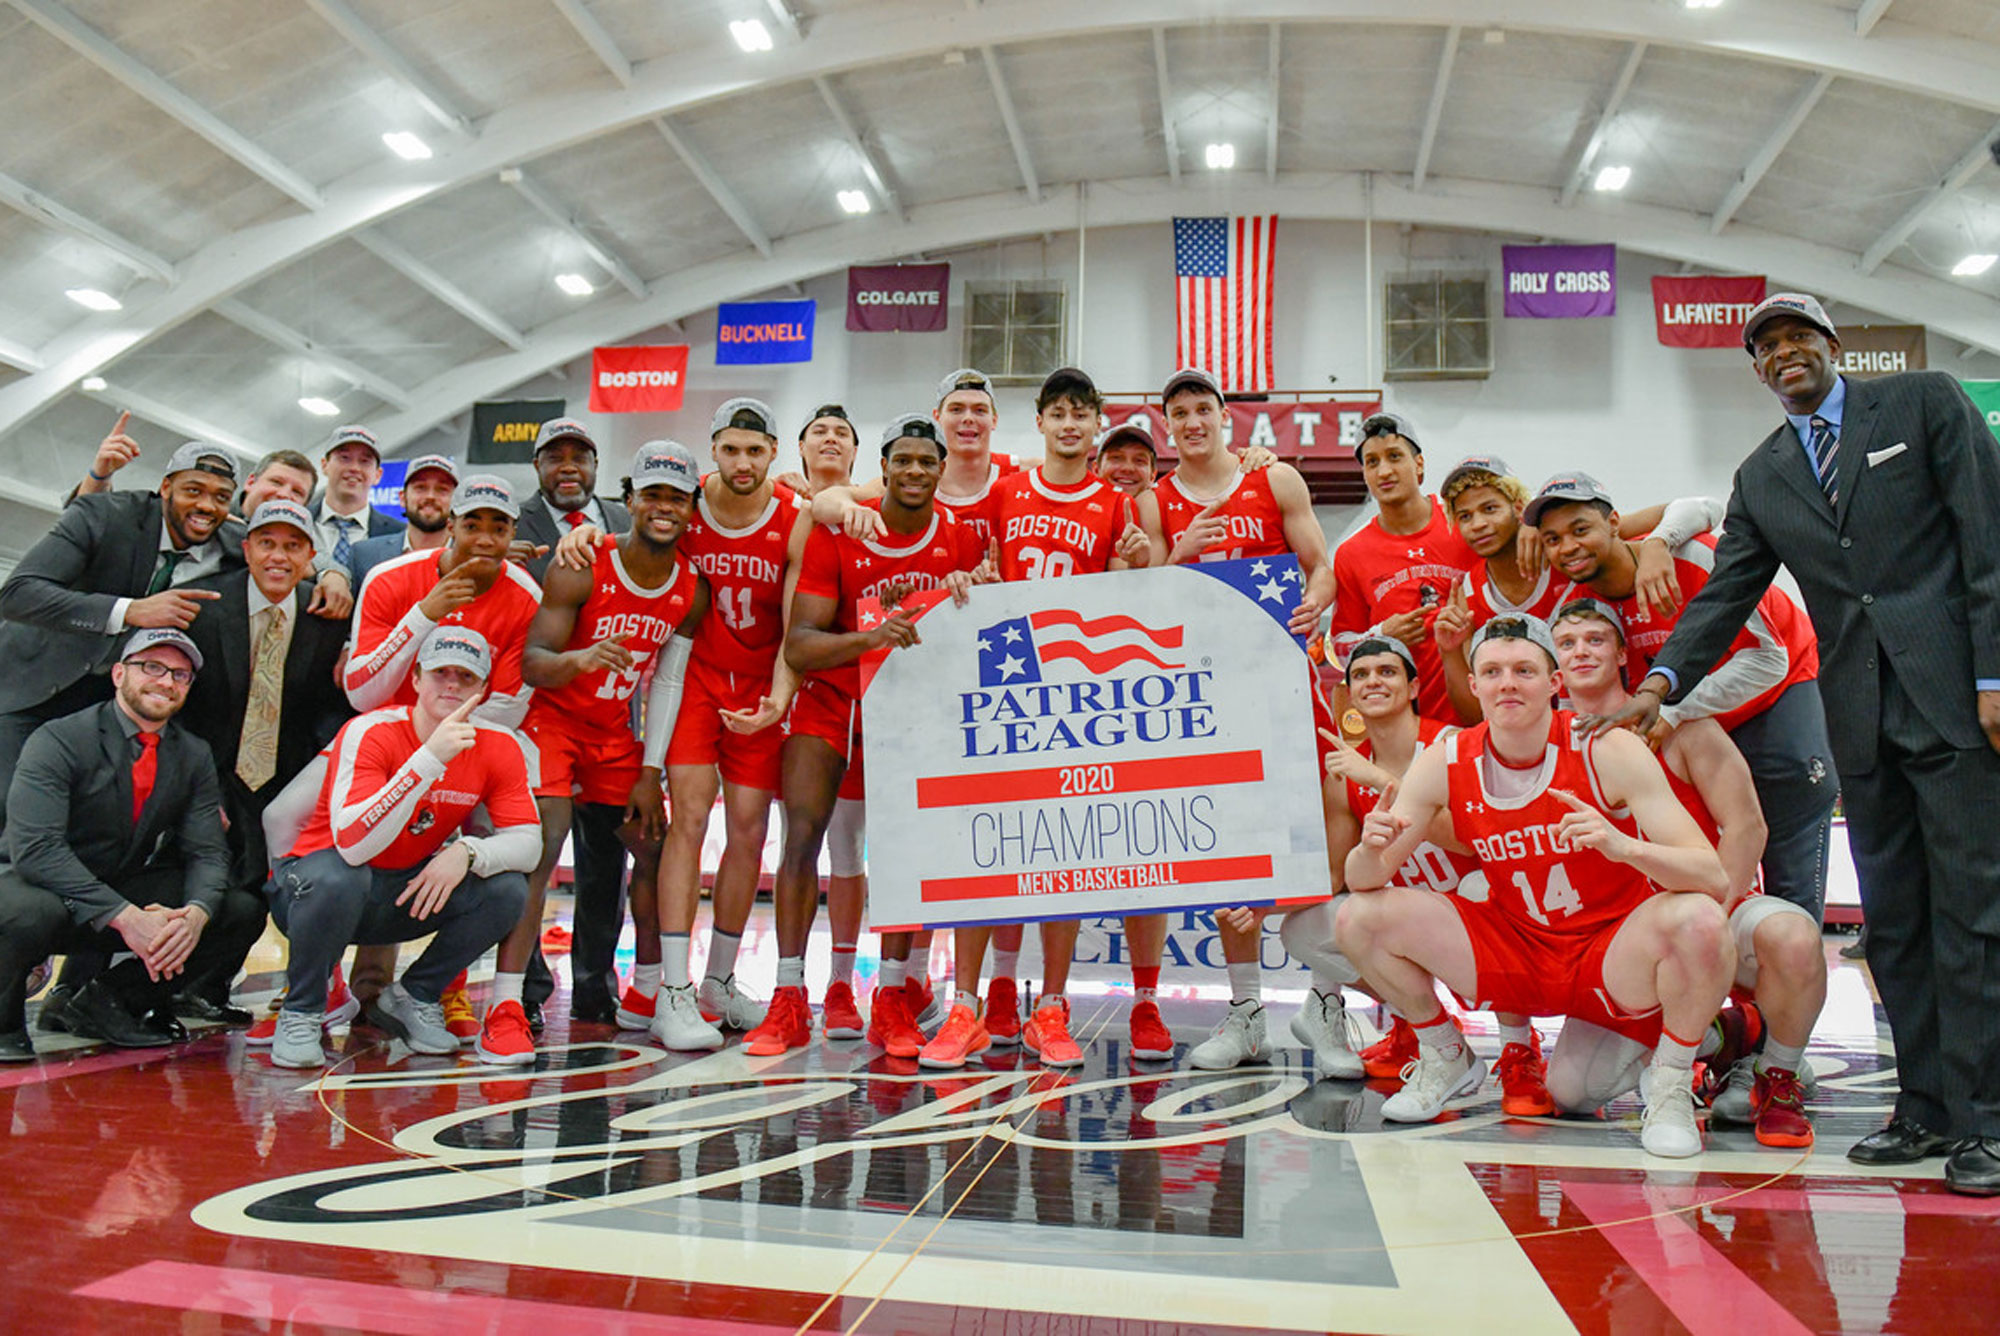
1883	456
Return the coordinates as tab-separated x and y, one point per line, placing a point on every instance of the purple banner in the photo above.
1560	282
897	298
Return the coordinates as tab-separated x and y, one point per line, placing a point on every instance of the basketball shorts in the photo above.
589	764
701	738
1546	974
831	715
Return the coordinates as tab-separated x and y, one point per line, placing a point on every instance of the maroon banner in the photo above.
1704	310
1316	437
897	298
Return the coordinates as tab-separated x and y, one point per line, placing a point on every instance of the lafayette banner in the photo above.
504	432
1869	351
1704	310
897	298
1127	742
757	333
1560	282
638	380
1323	426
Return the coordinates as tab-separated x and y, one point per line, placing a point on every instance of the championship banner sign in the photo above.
1324	427
758	333
1127	742
1986	396
387	495
638	380
504	433
897	298
1704	310
1559	282
1868	351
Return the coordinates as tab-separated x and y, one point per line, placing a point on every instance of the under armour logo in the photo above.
1475	807
1413	553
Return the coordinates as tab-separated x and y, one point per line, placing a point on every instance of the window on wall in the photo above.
1435	327
1016	332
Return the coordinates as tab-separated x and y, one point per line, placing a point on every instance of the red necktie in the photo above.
144	770
576	519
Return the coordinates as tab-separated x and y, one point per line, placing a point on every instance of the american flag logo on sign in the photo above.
1223	288
1015	651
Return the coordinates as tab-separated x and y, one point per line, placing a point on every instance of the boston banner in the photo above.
897	298
1097	744
1704	310
638	380
1560	282
1868	351
754	333
504	432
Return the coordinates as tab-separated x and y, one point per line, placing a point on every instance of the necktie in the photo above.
257	748
576	519
343	547
164	574
1825	446
144	770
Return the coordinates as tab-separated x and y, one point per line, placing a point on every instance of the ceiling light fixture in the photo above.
406	146
1612	178
1221	157
94	384
93	300
751	34
853	201
576	285
319	407
1972	266
1704	4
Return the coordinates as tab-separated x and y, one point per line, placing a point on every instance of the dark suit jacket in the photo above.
313	705
69	815
369	553
103	548
1908	567
538	524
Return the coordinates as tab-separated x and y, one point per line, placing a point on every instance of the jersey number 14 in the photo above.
1558	899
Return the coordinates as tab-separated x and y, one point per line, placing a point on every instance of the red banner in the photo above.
638	380
1703	310
1309	430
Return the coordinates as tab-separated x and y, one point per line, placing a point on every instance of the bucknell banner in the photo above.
1704	310
1129	742
897	298
638	380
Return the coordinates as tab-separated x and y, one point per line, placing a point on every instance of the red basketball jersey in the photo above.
848	571
385	633
1429	867
1256	524
1532	873
601	699
976	511
746	584
1047	531
1484	600
1378	574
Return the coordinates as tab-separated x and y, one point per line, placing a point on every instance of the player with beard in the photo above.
428	486
921	547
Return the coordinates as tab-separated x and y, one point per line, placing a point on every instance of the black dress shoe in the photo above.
593	1011
15	1046
1903	1141
97	1013
535	1021
1974	1168
51	1021
161	1020
195	1007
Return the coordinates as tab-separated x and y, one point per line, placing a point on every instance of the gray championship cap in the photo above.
1138	430
965	378
458	645
1377	643
665	463
1561	490
910	424
1388	424
485	491
1800	304
442	463
156	636
352	435
284	512
1191	378
1512	626
202	456
1471	464
563	429
746	414
1591	607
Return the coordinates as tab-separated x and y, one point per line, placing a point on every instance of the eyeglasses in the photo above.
154	670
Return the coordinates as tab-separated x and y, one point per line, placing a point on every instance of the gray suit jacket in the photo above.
369	553
57	601
538	524
1908	566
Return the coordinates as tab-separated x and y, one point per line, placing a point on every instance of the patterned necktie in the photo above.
1825	446
343	547
144	771
257	748
164	574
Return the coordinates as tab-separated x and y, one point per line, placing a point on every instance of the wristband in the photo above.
99	477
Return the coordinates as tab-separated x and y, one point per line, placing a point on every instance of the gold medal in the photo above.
1351	723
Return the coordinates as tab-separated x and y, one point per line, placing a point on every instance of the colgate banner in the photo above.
897	298
1704	311
638	380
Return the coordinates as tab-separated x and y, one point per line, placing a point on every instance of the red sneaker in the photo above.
342	1006
505	1039
1003	1011
960	1037
1047	1036
1780	1102
926	1012
458	1014
839	1018
787	1024
1151	1040
556	940
635	1009
263	1033
1524	1092
891	1027
1385	1059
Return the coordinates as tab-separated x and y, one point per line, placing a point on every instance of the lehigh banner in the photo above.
1868	351
504	433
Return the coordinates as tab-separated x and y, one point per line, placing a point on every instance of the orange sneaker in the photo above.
505	1039
1003	1011
960	1037
839	1018
1780	1102
635	1009
787	1024
1385	1059
891	1027
458	1016
1524	1092
1151	1040
1047	1036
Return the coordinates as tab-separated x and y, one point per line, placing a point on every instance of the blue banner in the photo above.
753	333
387	495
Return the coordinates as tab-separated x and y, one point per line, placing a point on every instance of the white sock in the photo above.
674	959
1006	964
1052	1000
843	964
646	979
1524	1035
506	988
1785	1057
893	973
791	971
1674	1052
1442	1036
1325	984
722	947
966	999
1246	981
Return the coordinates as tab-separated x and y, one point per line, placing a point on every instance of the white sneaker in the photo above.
677	1021
1732	1103
295	1043
1239	1039
1669	1129
724	1003
418	1024
1322	1026
1433	1081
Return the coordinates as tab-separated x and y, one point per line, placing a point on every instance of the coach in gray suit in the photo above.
566	486
1881	498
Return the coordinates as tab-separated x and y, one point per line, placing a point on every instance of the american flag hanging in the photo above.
1223	286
